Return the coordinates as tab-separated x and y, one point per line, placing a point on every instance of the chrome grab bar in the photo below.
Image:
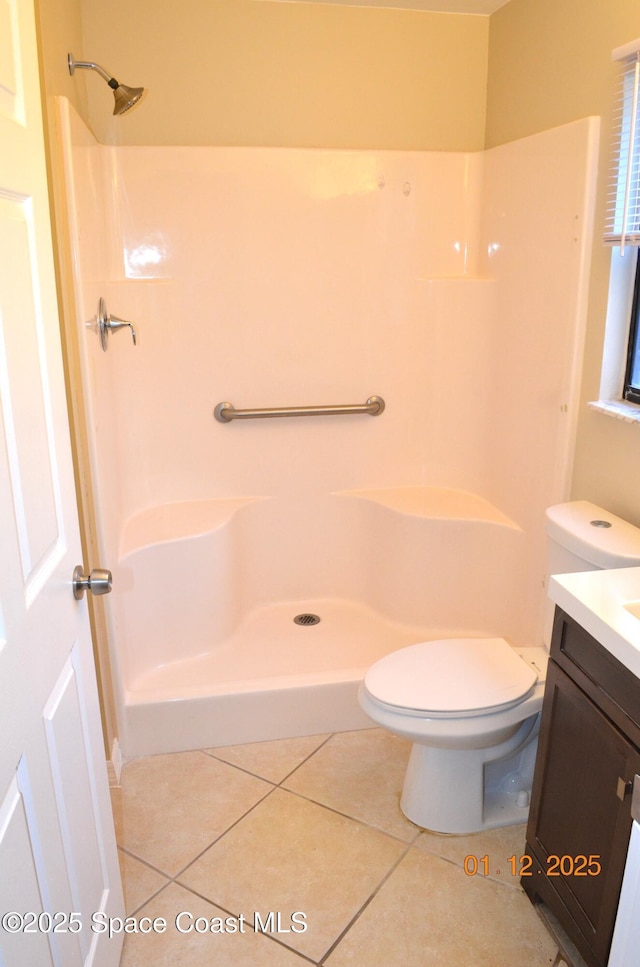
225	412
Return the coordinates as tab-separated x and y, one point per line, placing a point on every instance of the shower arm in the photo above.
90	65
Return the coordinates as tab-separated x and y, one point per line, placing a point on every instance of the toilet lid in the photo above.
453	676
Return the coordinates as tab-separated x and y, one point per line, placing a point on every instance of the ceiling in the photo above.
483	7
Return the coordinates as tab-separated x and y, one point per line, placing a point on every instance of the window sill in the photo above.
618	409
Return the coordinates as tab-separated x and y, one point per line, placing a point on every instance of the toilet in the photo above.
471	706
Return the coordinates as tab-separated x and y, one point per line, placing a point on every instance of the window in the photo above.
623	210
631	391
620	384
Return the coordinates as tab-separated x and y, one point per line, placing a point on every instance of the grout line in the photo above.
256	775
279	785
306	759
174	878
364	906
233	765
228	829
155	869
481	878
236	913
353	819
149	899
220	907
129	852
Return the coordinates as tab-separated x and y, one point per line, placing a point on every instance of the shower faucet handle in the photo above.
108	323
114	324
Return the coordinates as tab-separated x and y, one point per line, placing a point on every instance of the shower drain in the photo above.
306	619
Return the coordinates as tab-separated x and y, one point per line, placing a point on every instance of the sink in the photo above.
607	605
633	607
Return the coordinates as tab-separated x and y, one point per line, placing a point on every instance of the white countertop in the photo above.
607	605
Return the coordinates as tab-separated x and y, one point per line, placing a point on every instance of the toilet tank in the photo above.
583	537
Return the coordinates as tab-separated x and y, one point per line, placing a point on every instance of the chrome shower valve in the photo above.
108	323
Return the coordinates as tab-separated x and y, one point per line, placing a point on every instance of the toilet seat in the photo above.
451	678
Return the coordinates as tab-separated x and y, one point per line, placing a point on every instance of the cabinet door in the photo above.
576	812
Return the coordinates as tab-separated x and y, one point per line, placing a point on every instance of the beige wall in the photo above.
60	32
550	62
253	72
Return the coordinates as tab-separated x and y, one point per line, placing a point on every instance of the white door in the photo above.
59	876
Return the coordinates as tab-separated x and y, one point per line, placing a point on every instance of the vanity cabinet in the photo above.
580	816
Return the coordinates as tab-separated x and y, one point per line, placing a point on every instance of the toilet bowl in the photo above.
474	735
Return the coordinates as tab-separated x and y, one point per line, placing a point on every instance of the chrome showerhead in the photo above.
125	97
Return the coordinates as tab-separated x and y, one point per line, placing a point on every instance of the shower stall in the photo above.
451	286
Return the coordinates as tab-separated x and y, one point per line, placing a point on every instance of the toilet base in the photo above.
463	791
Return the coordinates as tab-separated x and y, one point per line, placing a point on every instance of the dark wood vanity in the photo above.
580	818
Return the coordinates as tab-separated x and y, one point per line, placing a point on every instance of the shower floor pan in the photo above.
271	679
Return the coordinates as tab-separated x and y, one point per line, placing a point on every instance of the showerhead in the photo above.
125	97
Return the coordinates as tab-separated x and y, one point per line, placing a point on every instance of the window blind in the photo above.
623	202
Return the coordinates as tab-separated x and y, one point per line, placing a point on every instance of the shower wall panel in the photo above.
536	233
274	278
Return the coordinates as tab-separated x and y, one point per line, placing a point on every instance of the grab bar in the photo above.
225	412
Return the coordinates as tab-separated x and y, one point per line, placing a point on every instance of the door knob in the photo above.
98	582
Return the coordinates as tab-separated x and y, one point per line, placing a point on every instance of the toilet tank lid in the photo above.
594	534
451	676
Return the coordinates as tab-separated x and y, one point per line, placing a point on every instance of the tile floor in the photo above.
310	830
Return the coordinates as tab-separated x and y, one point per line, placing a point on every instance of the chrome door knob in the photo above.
98	582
